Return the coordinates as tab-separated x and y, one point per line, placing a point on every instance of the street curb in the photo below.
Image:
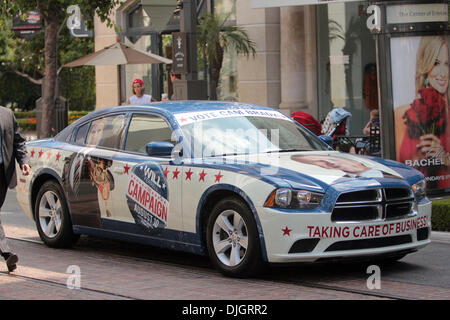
440	236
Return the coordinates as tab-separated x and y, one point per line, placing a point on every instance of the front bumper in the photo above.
291	236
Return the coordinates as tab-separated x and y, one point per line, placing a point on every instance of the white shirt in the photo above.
145	99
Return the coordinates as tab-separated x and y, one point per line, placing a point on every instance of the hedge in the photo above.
27	120
440	216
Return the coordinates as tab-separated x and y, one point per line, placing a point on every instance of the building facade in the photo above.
310	58
311	55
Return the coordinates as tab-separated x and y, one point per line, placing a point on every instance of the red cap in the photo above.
138	81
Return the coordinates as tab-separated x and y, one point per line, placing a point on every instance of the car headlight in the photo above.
293	199
419	189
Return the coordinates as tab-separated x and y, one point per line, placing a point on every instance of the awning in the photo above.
283	3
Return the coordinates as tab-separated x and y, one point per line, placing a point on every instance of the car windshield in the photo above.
247	135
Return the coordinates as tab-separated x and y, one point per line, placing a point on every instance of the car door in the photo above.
148	190
87	172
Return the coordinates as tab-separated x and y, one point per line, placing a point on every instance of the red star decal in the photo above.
286	231
166	172
218	177
41	153
202	175
58	156
189	174
126	169
183	120
175	173
32	153
49	154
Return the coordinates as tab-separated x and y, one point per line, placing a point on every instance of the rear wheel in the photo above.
52	217
232	239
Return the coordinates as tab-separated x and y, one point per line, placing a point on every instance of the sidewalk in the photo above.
109	276
43	273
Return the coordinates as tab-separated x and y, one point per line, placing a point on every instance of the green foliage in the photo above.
27	120
54	14
27	56
17	92
216	36
440	216
214	33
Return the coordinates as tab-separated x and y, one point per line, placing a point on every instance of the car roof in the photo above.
166	108
174	107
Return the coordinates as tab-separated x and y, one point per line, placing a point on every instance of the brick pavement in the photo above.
134	278
128	277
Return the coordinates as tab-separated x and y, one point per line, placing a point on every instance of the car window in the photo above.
144	129
81	133
106	132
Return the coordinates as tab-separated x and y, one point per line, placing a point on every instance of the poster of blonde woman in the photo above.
420	83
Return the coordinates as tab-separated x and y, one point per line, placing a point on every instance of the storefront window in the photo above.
138	18
227	88
141	71
346	62
226	8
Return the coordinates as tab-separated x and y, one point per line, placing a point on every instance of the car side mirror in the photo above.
159	149
327	139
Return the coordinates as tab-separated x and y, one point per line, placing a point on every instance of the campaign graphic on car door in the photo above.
143	192
87	176
147	195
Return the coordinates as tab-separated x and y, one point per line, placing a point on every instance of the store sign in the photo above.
180	55
27	25
284	3
416	13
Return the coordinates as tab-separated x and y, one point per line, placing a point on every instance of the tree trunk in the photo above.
49	90
216	65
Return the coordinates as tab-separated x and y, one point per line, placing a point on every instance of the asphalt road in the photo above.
429	266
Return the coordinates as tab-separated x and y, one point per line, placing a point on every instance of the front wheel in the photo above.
232	239
52	217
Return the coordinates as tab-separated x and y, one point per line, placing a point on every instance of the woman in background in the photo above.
139	96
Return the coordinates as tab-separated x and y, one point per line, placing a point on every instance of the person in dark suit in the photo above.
12	148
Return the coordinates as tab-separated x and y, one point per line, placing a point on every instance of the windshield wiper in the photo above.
287	150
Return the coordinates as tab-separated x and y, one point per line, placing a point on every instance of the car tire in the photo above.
232	239
52	217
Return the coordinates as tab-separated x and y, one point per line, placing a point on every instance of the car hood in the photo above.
321	170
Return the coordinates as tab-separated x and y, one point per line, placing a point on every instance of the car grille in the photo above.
369	243
374	204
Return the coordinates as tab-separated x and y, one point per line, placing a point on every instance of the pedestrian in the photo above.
374	120
139	96
12	148
174	77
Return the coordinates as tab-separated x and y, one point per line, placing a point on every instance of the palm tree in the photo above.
216	37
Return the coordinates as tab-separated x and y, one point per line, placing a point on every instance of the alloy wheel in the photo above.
230	238
50	214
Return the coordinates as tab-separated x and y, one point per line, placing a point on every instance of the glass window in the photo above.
81	134
141	71
347	76
227	88
144	129
225	8
138	18
106	132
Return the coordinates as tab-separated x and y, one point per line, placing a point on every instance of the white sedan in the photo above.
242	183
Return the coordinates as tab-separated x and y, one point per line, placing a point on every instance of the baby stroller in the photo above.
308	121
336	125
